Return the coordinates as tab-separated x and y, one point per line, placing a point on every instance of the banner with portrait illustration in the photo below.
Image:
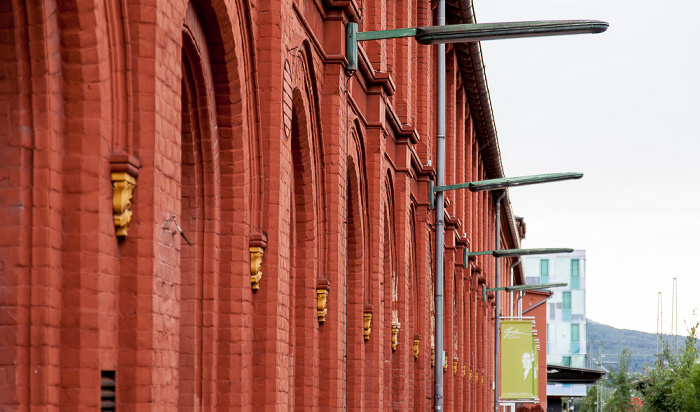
518	360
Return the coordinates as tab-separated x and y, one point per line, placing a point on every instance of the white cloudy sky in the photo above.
623	107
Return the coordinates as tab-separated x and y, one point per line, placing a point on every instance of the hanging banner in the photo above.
518	360
535	369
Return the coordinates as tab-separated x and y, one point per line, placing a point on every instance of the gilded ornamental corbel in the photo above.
367	324
395	327
257	245
124	169
256	256
323	287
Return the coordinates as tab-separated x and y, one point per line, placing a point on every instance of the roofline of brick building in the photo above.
471	64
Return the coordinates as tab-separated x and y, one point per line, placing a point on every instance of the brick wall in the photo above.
239	119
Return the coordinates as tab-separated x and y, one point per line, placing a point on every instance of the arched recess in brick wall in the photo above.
414	314
358	288
203	161
230	42
306	239
393	283
220	204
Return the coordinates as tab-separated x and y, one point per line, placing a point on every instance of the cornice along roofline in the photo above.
471	65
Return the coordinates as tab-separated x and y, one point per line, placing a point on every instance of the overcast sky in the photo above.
623	107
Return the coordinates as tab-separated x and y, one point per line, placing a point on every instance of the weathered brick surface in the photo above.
248	129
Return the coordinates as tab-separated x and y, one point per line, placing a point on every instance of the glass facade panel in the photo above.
544	268
574	283
574	332
566	315
552	311
566	300
575	268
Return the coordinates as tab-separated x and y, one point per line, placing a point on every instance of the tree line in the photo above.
672	384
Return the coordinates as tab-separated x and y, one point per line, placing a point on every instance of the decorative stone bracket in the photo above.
124	169
257	250
395	327
256	256
444	365
455	363
416	345
367	326
323	287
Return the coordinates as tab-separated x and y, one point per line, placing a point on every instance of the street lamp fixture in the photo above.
520	288
502	183
515	252
495	184
471	33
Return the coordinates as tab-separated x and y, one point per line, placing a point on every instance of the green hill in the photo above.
642	345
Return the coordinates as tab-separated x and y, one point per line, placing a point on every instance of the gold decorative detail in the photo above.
416	347
455	362
444	365
432	355
464	371
123	185
256	255
367	325
323	287
395	327
322	301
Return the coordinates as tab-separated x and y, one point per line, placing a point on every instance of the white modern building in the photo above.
566	313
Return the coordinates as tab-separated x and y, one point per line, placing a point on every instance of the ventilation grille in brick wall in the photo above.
108	393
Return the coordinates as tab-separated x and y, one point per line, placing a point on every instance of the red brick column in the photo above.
404	243
37	183
376	388
90	266
334	347
16	205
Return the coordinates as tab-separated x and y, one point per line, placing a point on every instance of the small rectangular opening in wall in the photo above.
108	391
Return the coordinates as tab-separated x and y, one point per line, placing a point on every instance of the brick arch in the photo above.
200	219
304	100
218	34
390	287
305	259
414	314
358	286
228	36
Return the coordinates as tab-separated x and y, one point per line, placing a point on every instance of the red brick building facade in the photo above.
304	275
